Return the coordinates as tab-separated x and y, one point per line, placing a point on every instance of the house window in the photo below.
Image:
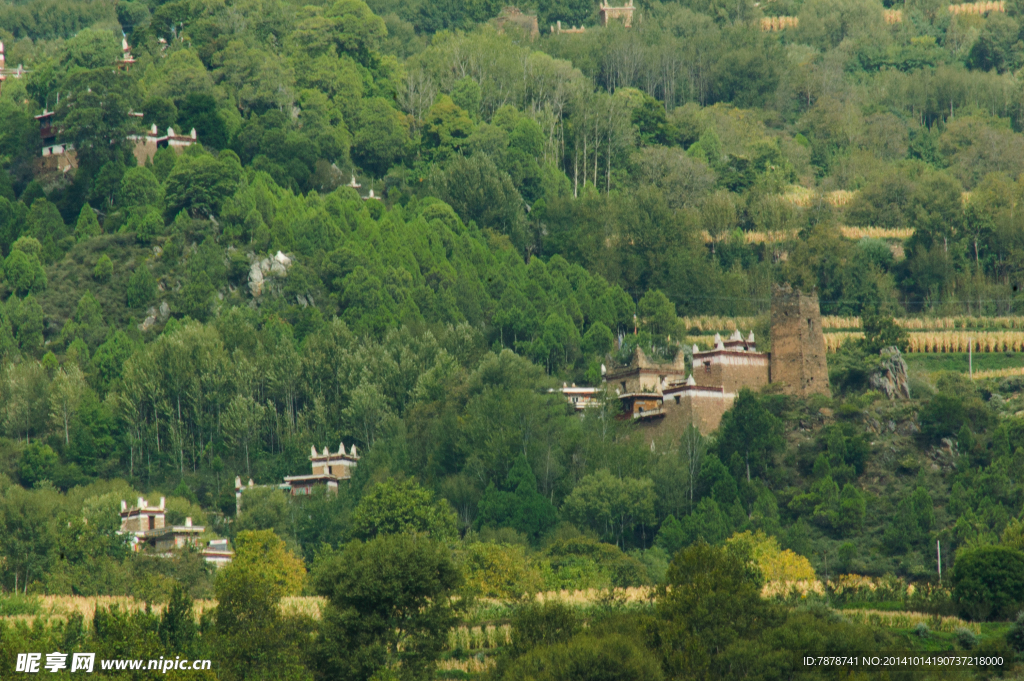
623	386
707	365
677	399
152	522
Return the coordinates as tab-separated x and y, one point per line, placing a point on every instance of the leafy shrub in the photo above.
988	582
589	560
965	638
1015	636
104	269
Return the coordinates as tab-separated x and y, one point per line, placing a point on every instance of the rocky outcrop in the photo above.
256	280
265	273
149	321
891	376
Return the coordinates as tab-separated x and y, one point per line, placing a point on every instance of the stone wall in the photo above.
683	406
798	343
731	369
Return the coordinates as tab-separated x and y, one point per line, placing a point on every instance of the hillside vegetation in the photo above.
541	205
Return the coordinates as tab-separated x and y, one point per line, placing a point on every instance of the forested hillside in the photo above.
402	223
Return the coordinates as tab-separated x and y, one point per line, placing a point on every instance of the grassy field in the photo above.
957	361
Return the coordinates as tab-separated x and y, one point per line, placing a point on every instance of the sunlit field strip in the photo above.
920	342
61	607
999	373
472	665
978	7
711	323
479	638
909	620
791	235
945	341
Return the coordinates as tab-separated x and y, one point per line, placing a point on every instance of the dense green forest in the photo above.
542	204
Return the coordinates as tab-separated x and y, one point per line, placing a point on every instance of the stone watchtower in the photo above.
798	343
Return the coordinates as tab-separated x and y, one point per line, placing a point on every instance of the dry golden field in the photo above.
978	7
479	638
926	334
999	373
633	594
708	323
909	620
779	23
61	607
791	235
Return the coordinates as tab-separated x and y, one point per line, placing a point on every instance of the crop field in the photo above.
62	607
927	335
849	232
909	620
712	323
924	342
978	7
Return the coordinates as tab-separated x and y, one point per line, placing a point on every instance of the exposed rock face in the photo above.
891	377
165	311
265	274
256	280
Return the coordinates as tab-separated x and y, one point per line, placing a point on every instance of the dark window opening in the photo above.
677	399
152	523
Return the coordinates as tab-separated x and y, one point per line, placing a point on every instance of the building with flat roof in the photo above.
328	468
147	144
579	398
147	526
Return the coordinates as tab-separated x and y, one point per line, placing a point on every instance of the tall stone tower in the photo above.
798	343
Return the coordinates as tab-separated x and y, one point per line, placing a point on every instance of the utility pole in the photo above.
970	357
938	553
